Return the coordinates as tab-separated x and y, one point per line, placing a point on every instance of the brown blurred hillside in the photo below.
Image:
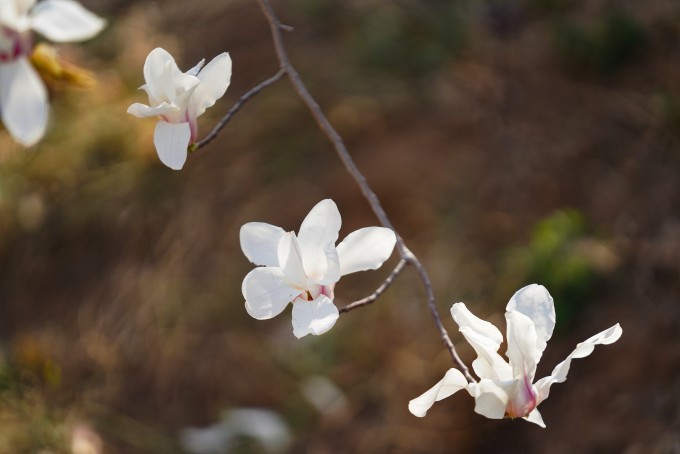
510	141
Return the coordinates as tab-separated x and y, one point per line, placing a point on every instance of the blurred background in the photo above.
511	142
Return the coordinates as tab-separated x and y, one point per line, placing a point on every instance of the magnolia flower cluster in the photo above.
178	98
303	269
23	96
507	389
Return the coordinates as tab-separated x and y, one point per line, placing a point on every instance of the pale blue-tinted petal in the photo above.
23	102
194	71
64	21
172	140
535	302
266	292
319	230
522	350
290	261
365	249
585	348
485	339
314	317
452	382
215	78
260	242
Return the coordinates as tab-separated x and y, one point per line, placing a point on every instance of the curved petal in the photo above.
260	241
23	102
215	78
320	229
522	350
485	339
143	111
266	292
314	317
164	80
585	348
365	249
194	71
65	21
452	382
535	302
290	261
172	140
490	399
536	418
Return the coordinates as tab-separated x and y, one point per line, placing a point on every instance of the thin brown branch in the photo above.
235	108
379	291
276	27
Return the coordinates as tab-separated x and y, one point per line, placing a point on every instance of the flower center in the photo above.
314	291
13	44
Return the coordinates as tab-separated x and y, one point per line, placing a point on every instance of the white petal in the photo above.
215	78
536	418
143	111
260	241
522	350
535	302
23	102
165	81
266	292
452	382
172	140
194	71
585	348
290	261
313	317
366	249
485	339
319	230
490	399
65	21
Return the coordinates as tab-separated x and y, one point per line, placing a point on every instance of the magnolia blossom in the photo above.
178	99
304	268
508	389
23	96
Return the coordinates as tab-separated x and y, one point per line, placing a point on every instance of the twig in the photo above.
236	107
340	148
379	291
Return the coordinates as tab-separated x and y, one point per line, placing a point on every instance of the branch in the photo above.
276	27
379	291
235	108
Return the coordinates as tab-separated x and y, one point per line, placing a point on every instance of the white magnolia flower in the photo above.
23	96
303	269
508	389
178	99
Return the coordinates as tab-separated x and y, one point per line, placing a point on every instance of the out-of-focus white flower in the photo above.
84	440
304	268
178	99
508	389
23	96
264	426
